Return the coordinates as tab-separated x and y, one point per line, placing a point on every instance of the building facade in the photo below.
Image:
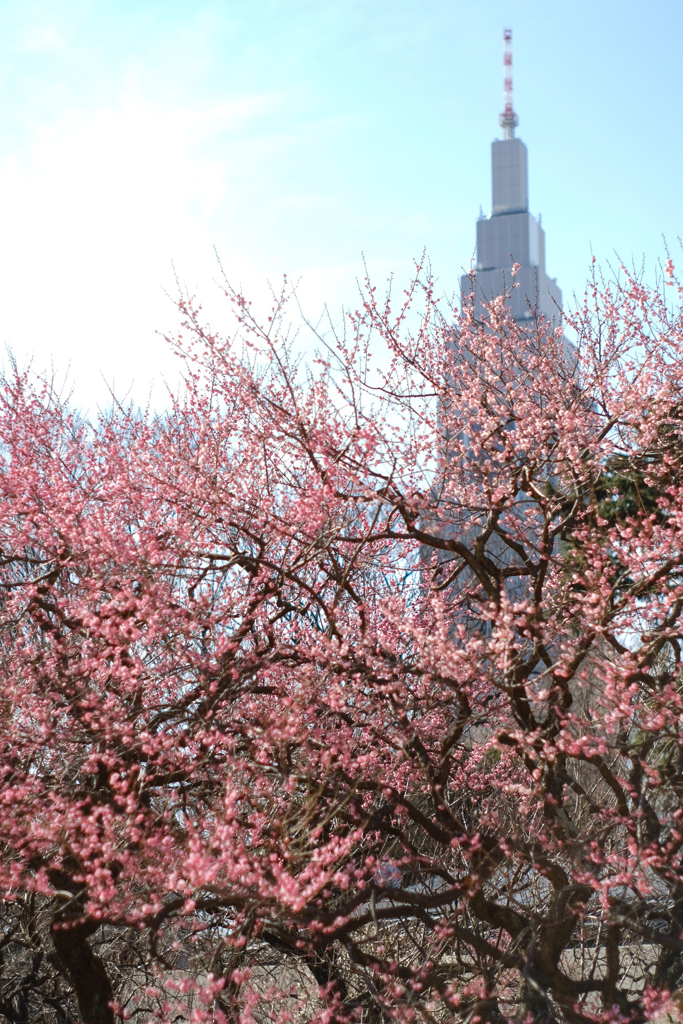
511	234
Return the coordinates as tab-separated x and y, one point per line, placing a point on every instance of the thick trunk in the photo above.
86	974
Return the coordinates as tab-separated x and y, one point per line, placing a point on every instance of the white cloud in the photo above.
91	217
40	37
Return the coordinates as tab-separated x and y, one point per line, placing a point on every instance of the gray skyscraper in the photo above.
511	234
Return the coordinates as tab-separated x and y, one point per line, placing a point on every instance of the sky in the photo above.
140	138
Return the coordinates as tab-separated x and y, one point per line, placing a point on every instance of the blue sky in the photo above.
296	136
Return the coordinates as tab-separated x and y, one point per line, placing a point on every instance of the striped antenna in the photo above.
508	119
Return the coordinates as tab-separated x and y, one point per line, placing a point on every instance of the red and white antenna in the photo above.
508	119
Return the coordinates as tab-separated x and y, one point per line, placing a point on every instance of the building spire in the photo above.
511	234
508	119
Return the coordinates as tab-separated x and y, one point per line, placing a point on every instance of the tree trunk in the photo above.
86	973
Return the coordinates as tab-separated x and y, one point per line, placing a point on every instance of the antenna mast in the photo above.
508	119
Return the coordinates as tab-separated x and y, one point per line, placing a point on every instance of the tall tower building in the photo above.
511	234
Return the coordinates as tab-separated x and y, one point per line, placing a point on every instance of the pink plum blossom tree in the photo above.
351	692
